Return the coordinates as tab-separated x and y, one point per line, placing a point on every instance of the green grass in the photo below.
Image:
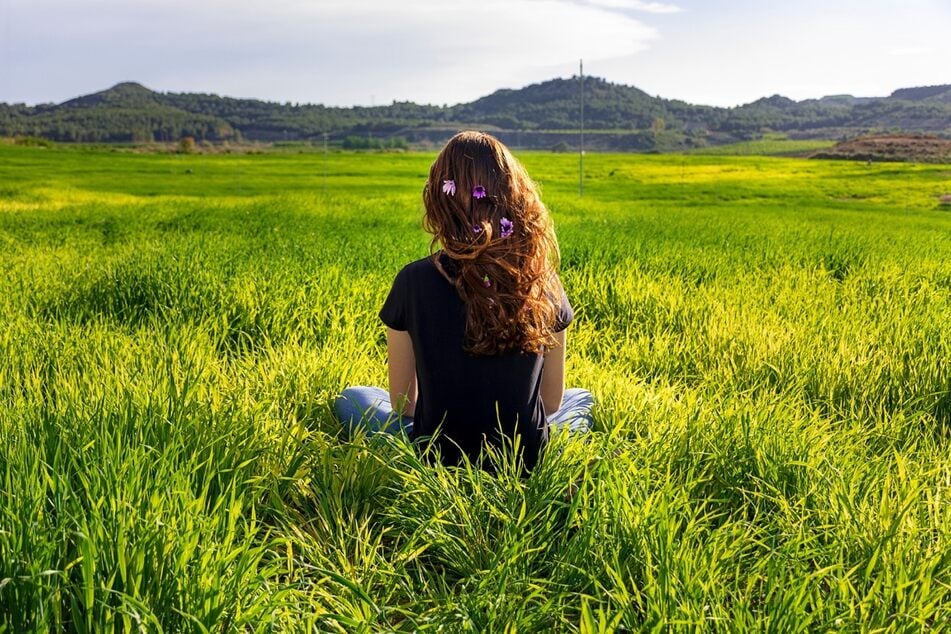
768	340
774	146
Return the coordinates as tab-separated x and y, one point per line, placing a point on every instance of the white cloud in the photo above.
343	52
637	5
802	50
909	50
333	51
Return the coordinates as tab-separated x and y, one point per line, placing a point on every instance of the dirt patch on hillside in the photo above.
892	147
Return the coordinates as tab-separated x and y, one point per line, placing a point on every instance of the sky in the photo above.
363	52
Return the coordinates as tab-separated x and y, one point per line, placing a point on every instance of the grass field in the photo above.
769	340
770	146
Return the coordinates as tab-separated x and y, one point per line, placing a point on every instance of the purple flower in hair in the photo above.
477	229
449	187
486	282
507	227
478	192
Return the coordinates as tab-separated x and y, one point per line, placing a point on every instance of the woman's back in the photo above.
475	341
471	399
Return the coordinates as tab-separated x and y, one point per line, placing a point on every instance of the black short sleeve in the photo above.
566	313
393	312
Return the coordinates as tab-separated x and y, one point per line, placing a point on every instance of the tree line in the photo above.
130	112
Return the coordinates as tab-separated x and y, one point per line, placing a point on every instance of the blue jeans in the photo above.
369	407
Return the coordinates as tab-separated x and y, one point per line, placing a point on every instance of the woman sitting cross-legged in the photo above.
476	331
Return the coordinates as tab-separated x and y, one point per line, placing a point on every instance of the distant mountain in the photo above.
554	105
844	100
127	112
776	101
925	93
541	115
124	94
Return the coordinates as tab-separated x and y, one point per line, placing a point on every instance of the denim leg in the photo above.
369	407
575	411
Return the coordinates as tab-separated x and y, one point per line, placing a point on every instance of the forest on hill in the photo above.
542	115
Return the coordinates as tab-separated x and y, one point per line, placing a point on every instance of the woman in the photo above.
476	331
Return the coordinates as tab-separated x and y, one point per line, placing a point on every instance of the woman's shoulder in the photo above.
418	272
422	266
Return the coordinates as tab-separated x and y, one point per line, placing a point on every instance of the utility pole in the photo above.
581	144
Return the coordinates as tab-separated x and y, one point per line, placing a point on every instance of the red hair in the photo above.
509	284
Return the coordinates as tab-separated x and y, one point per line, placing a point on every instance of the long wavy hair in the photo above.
506	274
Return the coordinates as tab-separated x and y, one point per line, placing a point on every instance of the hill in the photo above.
127	112
925	93
541	115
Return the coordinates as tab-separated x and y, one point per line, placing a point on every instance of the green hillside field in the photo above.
776	146
768	340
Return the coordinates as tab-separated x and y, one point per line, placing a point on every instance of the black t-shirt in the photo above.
470	398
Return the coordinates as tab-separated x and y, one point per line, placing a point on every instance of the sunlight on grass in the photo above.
767	340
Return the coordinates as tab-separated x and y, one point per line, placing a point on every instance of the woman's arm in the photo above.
401	364
553	375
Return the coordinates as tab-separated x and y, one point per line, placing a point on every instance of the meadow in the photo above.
768	340
769	145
